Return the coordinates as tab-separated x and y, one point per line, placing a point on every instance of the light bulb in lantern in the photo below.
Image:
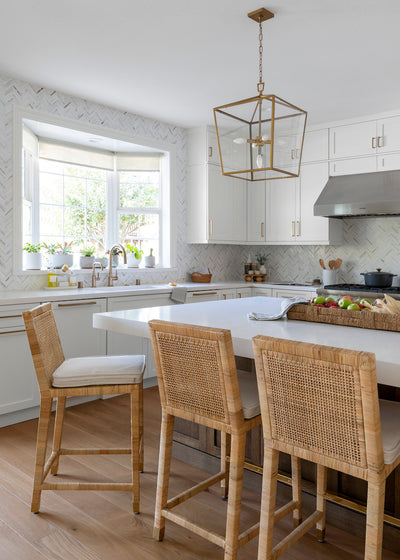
259	161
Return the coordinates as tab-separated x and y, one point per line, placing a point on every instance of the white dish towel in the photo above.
285	306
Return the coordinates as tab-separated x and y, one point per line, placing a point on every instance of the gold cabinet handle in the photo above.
210	227
224	296
204	293
292	229
297	228
10	316
210	151
373	142
262	229
239	294
12	332
76	304
292	154
380	145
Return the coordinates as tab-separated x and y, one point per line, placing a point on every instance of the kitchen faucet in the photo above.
94	273
110	274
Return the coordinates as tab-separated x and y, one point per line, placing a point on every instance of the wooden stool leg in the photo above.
296	489
225	452
58	427
375	507
41	448
268	499
135	437
164	467
141	458
321	501
238	444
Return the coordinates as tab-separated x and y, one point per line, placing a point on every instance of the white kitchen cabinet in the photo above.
315	147
264	292
244	292
227	294
202	295
290	205
127	344
216	210
256	211
202	146
19	387
353	166
353	140
388	162
74	320
388	135
282	293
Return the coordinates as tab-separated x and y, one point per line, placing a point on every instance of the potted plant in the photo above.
115	255
261	259
133	256
60	254
86	259
150	260
33	256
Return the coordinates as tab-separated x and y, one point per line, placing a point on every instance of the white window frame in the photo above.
167	242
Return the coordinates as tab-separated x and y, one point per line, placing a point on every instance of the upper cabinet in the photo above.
388	135
216	204
315	147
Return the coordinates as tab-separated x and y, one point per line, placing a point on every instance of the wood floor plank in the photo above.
101	525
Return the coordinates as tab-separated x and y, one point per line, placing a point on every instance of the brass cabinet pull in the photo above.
383	162
297	228
224	296
204	293
379	141
12	332
10	316
292	154
211	227
76	304
262	229
239	294
373	142
292	229
210	151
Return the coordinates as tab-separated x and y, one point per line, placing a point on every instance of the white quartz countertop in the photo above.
9	297
233	315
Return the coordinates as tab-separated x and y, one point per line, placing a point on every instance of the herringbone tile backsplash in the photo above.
368	243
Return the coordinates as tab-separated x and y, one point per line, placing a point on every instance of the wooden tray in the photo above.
203	278
361	319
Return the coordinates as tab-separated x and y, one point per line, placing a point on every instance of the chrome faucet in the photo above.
110	274
94	277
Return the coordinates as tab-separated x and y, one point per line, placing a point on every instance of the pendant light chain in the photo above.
260	85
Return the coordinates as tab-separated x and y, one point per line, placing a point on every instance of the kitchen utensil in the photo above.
338	263
378	279
331	264
329	277
321	262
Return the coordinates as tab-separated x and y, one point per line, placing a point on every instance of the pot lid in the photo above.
378	272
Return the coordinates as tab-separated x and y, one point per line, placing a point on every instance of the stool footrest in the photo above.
296	534
201	531
95	451
285	510
123	486
183	496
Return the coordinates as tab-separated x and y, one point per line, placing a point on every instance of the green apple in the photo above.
344	302
353	307
319	300
365	300
329	298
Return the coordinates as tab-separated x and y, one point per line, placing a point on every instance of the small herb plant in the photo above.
58	248
32	247
261	259
135	250
87	251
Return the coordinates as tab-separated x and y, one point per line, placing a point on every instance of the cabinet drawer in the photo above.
11	316
204	295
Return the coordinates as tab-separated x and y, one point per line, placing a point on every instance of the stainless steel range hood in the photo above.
366	194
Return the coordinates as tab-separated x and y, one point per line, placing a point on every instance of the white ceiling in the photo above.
174	60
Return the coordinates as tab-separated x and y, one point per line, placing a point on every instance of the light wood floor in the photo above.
101	525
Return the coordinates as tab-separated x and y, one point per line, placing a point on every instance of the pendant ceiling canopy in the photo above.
260	137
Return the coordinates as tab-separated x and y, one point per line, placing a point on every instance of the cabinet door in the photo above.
388	162
212	148
227	294
313	179
293	293
388	131
353	140
352	166
244	292
281	210
204	295
315	146
226	206
75	326
256	207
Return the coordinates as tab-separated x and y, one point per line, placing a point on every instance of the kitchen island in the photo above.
200	445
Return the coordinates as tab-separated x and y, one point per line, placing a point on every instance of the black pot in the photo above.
378	279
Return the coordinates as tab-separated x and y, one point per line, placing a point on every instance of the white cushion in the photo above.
100	370
249	394
390	423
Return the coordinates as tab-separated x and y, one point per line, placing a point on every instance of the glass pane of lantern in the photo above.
288	137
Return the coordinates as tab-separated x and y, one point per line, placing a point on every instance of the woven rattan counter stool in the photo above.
198	381
321	404
59	378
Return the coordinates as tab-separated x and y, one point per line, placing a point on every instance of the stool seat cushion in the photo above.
390	425
100	370
249	394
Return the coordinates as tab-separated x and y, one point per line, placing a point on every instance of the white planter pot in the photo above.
58	261
149	262
33	261
132	261
86	262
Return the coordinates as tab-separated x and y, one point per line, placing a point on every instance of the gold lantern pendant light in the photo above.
261	137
